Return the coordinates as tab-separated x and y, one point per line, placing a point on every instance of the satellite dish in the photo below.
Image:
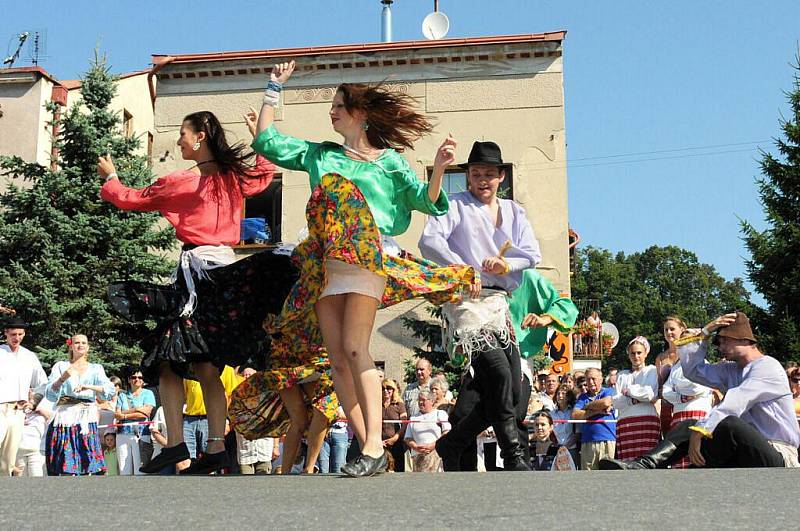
435	26
611	330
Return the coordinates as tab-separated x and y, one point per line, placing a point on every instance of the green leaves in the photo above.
61	245
774	264
636	292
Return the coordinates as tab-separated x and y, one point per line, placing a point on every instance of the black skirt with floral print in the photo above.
226	326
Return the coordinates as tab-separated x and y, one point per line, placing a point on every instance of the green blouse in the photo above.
388	183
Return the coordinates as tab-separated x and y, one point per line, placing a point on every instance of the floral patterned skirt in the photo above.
341	227
224	329
73	450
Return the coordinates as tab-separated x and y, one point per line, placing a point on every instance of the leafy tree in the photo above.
430	332
774	266
61	245
637	291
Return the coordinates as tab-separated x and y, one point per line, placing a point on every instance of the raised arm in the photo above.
280	74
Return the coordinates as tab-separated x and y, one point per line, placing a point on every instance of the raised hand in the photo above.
105	166
250	119
281	72
446	154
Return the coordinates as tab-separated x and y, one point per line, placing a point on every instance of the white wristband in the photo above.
705	331
112	175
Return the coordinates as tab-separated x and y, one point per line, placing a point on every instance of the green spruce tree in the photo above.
774	266
61	245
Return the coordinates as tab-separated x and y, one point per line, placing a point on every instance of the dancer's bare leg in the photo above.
330	313
216	404
292	399
170	390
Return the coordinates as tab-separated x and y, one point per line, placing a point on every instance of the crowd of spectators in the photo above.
581	412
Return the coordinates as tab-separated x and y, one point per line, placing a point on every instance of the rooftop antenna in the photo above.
386	21
436	25
9	61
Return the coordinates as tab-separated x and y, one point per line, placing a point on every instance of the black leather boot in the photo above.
451	445
511	450
673	448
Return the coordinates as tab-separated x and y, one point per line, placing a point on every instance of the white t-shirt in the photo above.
428	427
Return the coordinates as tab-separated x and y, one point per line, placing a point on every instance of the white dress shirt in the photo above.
20	372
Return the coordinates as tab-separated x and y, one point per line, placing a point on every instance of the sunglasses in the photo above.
135	378
795	380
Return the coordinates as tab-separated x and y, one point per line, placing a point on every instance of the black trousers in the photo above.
492	395
736	444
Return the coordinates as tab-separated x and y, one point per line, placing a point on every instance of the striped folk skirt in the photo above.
679	417
637	435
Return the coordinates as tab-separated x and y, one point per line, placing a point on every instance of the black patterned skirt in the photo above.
225	327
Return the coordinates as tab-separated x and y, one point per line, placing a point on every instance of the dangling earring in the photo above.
196	146
365	126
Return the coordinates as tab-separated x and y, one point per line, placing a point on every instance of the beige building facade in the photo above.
508	89
24	123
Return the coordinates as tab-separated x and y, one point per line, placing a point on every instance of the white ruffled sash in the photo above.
474	325
82	415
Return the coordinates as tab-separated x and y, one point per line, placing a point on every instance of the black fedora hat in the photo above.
15	322
485	153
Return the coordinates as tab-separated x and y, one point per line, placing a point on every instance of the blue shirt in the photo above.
127	400
94	375
606	431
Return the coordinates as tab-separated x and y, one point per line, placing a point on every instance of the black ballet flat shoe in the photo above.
207	464
365	466
167	457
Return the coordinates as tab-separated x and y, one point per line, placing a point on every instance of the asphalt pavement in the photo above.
663	499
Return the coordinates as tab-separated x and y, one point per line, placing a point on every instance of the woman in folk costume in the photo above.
689	400
495	235
73	446
212	313
638	424
363	193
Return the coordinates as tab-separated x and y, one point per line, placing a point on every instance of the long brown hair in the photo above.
234	158
391	121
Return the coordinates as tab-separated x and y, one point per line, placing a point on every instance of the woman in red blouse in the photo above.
209	316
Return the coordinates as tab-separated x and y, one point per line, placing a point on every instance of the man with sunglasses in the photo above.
133	406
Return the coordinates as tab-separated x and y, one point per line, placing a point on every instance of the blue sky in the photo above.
693	87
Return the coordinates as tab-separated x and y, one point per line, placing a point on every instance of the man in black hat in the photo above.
20	372
493	235
754	425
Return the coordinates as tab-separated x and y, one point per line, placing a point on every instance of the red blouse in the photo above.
202	213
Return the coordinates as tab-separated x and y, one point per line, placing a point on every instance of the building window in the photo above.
150	148
455	180
268	205
127	123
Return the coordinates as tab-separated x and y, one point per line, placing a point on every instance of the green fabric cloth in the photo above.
537	295
389	185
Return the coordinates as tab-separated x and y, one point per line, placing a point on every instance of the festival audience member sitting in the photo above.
548	394
543	448
392	432
423	432
565	432
688	399
754	425
439	388
30	459
423	372
598	439
110	453
793	374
